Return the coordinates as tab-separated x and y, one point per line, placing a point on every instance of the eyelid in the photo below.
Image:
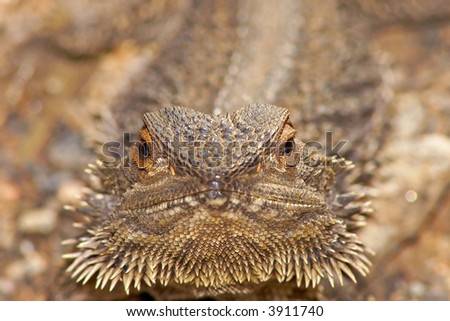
145	134
287	133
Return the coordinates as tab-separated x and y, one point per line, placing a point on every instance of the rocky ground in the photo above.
46	83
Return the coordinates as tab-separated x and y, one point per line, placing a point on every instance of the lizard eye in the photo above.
144	151
289	153
289	146
141	154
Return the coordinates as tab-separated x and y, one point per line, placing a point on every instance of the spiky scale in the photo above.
307	280
81	268
326	266
127	279
337	269
290	273
165	277
148	281
131	266
307	271
71	256
77	261
299	277
92	271
331	280
344	267
151	274
114	282
98	282
314	278
317	268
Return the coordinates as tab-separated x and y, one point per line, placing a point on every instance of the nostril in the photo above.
215	185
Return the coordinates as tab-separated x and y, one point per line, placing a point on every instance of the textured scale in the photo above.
215	135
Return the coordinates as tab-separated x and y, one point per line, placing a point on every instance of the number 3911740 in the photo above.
296	311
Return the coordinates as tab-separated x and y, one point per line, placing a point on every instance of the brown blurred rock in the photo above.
40	220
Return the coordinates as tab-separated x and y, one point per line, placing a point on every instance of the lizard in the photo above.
138	212
219	205
229	204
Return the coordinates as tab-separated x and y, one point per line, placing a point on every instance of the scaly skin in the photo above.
220	205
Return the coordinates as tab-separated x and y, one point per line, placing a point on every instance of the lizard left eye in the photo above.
289	146
289	152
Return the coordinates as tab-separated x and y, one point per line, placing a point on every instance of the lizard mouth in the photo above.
223	198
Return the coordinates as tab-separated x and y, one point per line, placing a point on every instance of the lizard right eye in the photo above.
144	150
141	154
289	146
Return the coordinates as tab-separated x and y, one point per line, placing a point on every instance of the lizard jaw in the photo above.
219	253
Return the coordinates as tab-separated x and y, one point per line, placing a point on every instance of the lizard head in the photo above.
220	204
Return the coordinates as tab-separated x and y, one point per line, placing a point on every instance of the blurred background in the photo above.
58	58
